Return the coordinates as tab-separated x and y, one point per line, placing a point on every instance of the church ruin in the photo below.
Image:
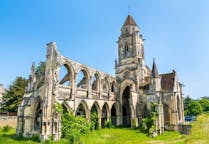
124	99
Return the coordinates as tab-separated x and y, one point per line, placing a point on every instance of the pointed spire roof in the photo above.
154	69
32	69
129	21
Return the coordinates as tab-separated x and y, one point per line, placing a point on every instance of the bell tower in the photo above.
130	63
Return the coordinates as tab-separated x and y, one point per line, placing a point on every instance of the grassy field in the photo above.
199	135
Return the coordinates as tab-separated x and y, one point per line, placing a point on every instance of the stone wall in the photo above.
8	120
183	129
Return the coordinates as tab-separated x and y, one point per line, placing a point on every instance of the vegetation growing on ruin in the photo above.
127	136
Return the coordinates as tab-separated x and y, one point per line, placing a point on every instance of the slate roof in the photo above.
129	21
167	81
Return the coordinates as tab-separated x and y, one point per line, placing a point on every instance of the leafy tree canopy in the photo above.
14	95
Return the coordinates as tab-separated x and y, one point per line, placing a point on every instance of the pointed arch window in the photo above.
126	50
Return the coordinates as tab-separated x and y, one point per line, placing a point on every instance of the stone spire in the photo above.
154	70
32	73
129	21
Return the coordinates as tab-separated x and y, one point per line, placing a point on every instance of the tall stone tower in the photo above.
131	52
130	69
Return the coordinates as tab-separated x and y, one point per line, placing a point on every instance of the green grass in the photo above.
199	135
200	131
129	136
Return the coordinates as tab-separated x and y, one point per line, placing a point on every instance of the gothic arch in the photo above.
82	109
97	106
105	85
95	82
125	83
114	114
82	78
104	114
36	111
68	76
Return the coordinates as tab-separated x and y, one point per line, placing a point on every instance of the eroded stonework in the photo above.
124	98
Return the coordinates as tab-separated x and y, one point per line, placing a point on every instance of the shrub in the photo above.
7	128
133	124
73	126
108	124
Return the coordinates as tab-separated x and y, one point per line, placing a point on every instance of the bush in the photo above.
108	124
133	124
73	126
7	128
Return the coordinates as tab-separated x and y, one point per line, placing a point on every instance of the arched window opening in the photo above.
104	115
104	85
82	80
95	83
65	75
126	111
113	115
126	51
37	118
113	86
81	111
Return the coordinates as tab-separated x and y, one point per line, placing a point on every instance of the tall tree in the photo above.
14	95
205	104
40	73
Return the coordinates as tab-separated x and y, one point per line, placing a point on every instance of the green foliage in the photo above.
148	123
14	96
205	104
73	126
194	108
40	73
6	128
58	108
108	124
187	102
133	123
94	119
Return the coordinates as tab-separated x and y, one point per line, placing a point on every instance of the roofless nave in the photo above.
123	98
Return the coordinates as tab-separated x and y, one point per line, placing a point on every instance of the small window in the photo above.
126	51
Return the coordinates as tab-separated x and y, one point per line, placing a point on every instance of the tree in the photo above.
205	104
187	102
194	108
40	73
14	96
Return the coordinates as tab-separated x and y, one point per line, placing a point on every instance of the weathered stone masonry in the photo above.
124	98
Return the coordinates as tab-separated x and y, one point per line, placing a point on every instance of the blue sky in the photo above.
176	33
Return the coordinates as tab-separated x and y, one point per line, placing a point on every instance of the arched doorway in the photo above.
95	116
113	115
126	111
81	111
37	117
104	115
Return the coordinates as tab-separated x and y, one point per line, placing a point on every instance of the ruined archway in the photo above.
37	116
95	116
104	115
95	83
114	115
126	110
80	111
82	79
65	75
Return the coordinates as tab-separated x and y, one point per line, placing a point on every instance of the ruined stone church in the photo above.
124	99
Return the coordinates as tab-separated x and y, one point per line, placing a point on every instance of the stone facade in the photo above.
125	98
